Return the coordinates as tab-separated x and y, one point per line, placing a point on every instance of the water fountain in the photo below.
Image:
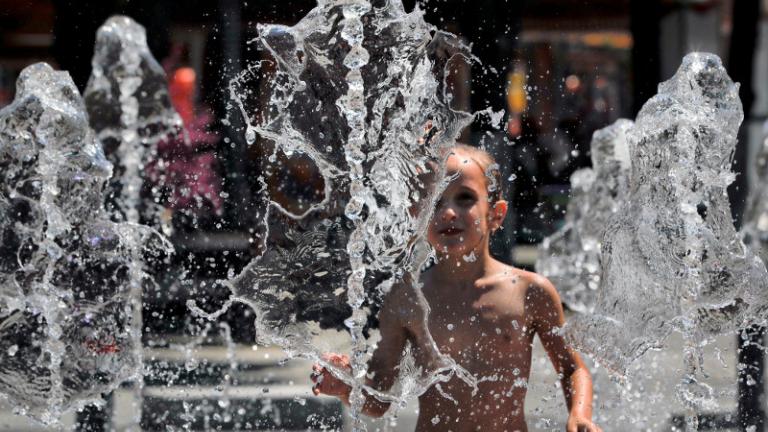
755	229
671	258
130	110
570	258
352	86
66	331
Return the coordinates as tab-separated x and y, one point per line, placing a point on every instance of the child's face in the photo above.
463	217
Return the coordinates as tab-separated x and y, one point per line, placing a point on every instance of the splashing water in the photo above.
755	229
130	109
571	256
352	86
671	259
66	270
131	112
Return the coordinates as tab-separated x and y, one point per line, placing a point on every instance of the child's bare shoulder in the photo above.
535	287
508	276
537	284
542	302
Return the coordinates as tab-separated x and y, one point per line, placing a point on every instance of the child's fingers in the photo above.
344	360
317	383
326	384
338	360
317	370
313	376
318	387
332	358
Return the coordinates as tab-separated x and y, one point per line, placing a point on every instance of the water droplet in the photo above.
191	364
250	136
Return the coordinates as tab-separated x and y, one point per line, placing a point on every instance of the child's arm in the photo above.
547	311
383	365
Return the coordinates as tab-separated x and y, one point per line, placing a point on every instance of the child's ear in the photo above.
498	213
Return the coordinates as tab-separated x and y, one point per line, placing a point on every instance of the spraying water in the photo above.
570	258
352	86
67	271
130	110
671	258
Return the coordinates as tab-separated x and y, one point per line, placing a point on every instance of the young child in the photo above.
483	313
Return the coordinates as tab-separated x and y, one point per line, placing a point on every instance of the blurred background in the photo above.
559	69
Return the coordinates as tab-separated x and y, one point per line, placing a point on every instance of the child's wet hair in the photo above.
489	166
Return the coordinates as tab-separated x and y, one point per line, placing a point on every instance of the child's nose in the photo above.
448	213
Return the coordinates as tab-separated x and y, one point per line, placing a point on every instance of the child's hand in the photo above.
577	423
323	379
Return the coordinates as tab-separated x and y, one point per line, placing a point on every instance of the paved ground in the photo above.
647	404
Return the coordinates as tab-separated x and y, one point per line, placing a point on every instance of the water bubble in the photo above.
191	364
250	136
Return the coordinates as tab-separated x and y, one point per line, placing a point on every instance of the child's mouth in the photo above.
450	231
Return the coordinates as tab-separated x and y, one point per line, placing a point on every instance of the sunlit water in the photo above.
570	258
67	273
671	258
361	89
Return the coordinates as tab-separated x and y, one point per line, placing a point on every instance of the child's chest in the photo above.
481	334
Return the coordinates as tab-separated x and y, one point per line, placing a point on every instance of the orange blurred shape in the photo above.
516	94
182	89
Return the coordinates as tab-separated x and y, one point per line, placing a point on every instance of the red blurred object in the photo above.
182	90
101	347
185	171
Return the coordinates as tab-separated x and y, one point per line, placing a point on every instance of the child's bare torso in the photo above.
487	332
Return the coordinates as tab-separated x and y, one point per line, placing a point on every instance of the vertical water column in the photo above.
352	104
671	259
130	109
64	337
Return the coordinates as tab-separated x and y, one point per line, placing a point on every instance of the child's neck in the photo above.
465	268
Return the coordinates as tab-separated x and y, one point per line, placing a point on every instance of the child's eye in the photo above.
466	198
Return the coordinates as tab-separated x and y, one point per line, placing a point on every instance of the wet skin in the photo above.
483	314
487	327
